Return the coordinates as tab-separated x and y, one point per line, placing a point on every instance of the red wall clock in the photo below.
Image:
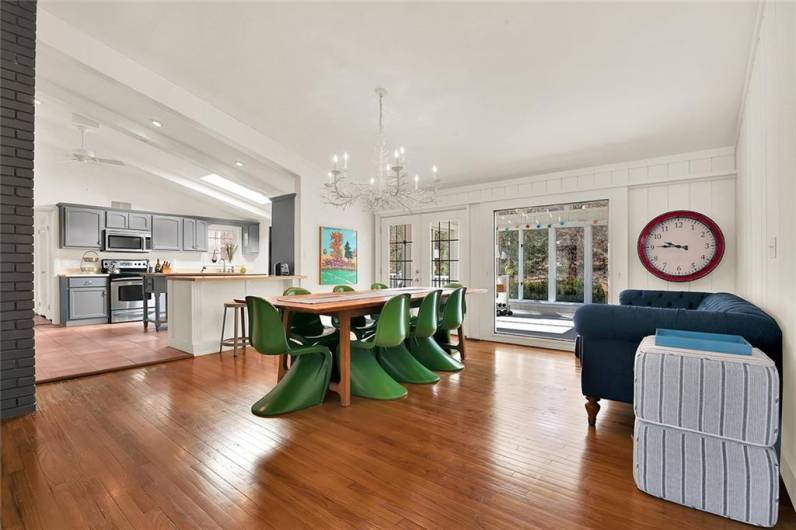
681	246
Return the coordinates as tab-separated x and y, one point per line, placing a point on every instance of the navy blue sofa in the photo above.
608	335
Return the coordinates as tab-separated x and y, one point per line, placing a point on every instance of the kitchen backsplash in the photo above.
68	260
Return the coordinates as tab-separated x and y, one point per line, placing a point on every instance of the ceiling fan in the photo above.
84	124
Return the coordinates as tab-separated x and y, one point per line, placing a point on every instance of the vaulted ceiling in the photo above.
484	90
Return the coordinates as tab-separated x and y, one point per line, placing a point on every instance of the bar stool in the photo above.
242	339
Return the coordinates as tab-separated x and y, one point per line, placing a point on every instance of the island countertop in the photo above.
216	276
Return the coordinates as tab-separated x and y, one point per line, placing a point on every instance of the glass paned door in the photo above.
534	260
423	250
444	253
508	260
569	264
401	271
552	258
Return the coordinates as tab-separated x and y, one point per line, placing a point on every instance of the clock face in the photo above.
681	246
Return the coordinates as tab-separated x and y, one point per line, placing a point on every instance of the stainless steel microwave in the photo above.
126	241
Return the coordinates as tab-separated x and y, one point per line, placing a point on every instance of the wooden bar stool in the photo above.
239	311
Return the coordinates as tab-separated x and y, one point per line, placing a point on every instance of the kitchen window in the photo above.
218	237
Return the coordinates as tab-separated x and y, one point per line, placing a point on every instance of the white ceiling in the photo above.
483	90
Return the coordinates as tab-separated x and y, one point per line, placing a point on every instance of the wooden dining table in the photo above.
345	306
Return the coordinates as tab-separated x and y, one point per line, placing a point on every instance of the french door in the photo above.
424	249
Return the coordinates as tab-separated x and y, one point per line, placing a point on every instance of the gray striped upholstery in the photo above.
706	427
730	396
720	476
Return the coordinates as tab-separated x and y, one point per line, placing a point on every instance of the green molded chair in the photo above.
368	378
377	285
444	336
399	362
361	326
307	328
453	318
422	344
307	380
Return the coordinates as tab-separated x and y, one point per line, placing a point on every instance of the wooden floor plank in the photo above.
502	444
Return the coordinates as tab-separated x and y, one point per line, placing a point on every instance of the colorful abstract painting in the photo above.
338	256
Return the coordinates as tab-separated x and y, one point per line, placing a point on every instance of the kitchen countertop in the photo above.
216	276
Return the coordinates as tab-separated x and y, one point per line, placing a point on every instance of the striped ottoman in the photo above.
706	429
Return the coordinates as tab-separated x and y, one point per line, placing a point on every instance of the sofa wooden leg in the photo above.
592	408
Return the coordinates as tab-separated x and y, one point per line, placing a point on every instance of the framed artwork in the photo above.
337	256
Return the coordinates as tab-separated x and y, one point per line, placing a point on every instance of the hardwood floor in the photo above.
502	444
64	353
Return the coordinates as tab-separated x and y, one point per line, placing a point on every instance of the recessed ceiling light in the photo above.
239	163
156	123
237	189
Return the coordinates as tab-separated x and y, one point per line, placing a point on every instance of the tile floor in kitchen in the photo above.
63	353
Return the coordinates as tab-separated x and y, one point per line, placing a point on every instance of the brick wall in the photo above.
17	83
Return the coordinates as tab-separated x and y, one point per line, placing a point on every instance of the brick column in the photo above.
17	88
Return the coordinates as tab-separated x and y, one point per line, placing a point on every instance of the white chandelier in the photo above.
389	187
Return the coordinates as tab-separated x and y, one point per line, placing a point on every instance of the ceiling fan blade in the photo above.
109	161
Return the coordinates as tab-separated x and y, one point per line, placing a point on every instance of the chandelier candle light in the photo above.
389	187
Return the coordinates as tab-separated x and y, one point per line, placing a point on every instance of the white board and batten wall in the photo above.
766	190
637	191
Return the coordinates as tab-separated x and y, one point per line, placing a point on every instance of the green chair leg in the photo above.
368	378
432	356
304	385
404	368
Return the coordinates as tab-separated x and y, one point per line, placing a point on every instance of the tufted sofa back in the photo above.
664	299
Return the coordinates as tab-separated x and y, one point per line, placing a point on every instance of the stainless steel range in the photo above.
126	288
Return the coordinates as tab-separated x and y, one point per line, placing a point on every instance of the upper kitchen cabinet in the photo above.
128	220
115	219
166	233
139	221
81	227
194	235
201	236
251	238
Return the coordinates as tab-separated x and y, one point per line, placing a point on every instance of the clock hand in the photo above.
669	244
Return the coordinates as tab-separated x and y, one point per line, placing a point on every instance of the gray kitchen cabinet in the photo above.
128	220
166	232
194	235
84	300
251	238
116	219
82	227
88	302
189	234
201	235
139	221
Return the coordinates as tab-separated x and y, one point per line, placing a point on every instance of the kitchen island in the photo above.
195	303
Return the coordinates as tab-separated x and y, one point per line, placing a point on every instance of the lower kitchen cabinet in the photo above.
84	300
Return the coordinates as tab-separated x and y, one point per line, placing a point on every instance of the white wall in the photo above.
637	191
766	197
313	213
712	197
